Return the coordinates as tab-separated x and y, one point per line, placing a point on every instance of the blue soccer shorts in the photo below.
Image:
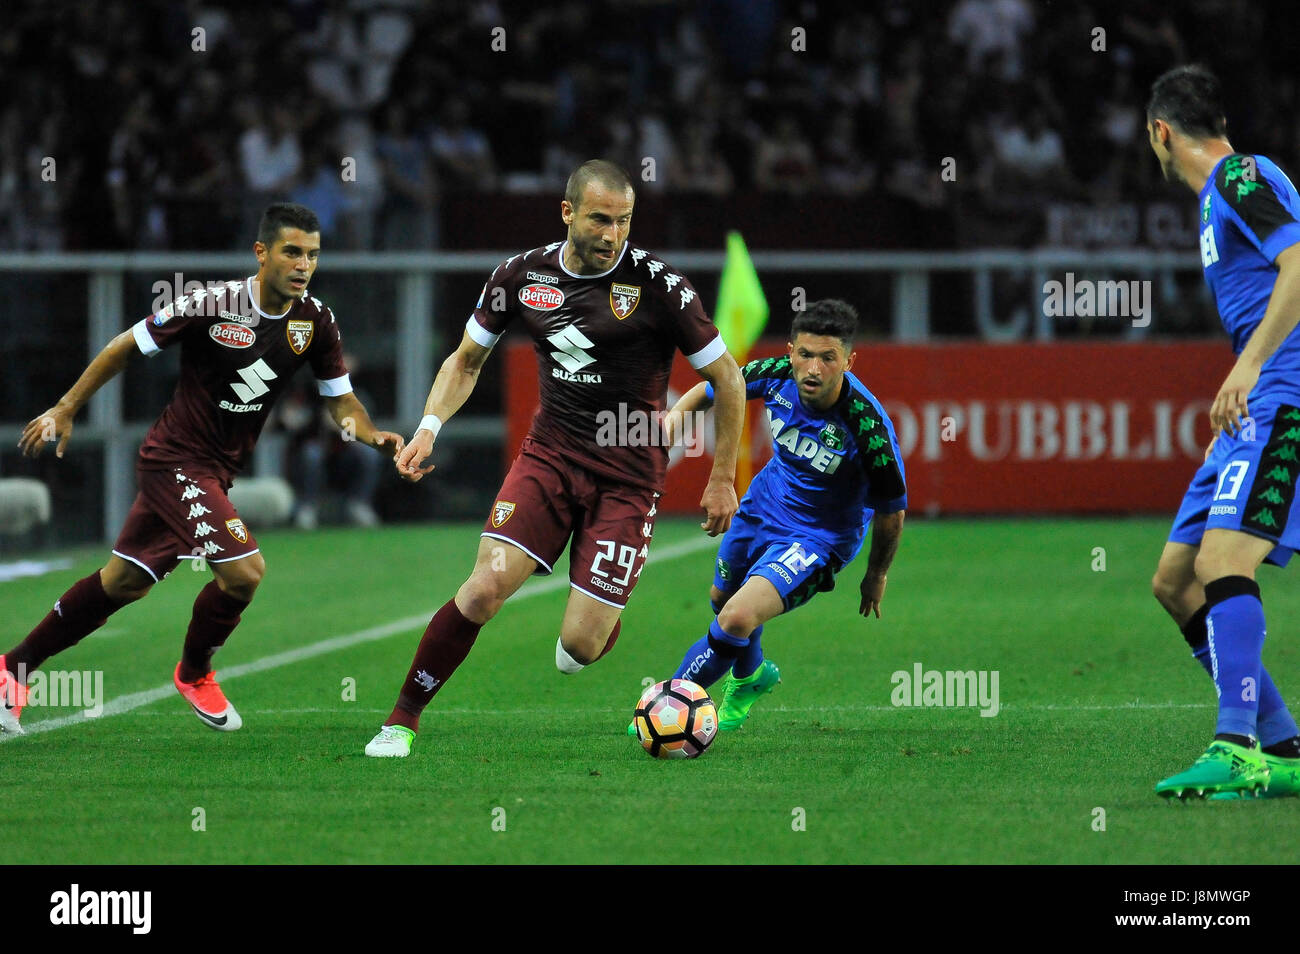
798	564
1249	483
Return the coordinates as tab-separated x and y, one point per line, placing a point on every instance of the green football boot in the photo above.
1283	781
1225	767
739	695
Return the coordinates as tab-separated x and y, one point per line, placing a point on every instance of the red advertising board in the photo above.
985	428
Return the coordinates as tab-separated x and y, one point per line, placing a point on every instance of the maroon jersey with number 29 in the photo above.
601	340
236	360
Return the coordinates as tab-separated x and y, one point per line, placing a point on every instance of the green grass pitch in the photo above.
515	763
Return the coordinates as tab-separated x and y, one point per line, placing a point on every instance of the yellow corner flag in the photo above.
741	314
740	317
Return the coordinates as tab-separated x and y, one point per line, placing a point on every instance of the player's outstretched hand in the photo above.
720	505
672	427
413	454
53	425
873	591
1229	405
389	443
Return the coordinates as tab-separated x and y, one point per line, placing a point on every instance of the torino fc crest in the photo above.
623	299
237	530
501	512
299	333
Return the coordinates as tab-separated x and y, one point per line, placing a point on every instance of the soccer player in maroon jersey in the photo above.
606	318
241	343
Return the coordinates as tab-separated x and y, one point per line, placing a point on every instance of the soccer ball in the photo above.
675	719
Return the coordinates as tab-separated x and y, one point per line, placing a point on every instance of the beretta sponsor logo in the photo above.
231	335
541	297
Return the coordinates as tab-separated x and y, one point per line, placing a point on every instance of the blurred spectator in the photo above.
1028	151
407	215
463	152
320	458
133	156
701	169
785	161
992	32
270	159
159	142
844	169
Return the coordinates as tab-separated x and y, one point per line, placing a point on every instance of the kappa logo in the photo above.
541	297
542	277
237	529
299	334
231	335
623	299
502	512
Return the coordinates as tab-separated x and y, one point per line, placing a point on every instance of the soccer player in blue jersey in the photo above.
1240	509
835	469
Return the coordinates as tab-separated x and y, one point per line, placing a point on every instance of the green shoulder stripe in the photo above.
875	452
766	368
1245	190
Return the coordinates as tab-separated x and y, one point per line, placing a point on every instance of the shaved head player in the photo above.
606	318
241	343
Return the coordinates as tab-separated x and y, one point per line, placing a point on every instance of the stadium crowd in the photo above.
171	123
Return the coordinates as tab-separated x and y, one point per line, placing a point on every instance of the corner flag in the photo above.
740	318
741	314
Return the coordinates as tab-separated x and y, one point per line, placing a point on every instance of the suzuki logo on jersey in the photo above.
623	299
571	357
299	334
1209	250
821	458
253	386
231	335
541	297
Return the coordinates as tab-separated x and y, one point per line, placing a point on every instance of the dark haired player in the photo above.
606	318
835	469
1240	509
241	344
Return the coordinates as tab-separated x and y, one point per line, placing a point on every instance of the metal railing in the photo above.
417	349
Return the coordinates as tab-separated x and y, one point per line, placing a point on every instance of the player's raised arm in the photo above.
451	389
719	499
1280	319
886	529
347	411
56	423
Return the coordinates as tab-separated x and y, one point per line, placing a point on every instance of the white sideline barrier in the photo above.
262	501
24	503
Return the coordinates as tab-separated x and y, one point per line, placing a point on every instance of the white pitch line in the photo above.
135	700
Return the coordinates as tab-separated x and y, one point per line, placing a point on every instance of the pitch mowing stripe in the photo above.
135	700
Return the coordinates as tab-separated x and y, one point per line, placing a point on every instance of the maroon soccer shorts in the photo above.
181	514
546	499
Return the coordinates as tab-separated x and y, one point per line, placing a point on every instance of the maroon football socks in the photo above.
446	642
216	614
76	614
613	638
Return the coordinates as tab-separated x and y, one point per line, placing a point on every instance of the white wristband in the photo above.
431	422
